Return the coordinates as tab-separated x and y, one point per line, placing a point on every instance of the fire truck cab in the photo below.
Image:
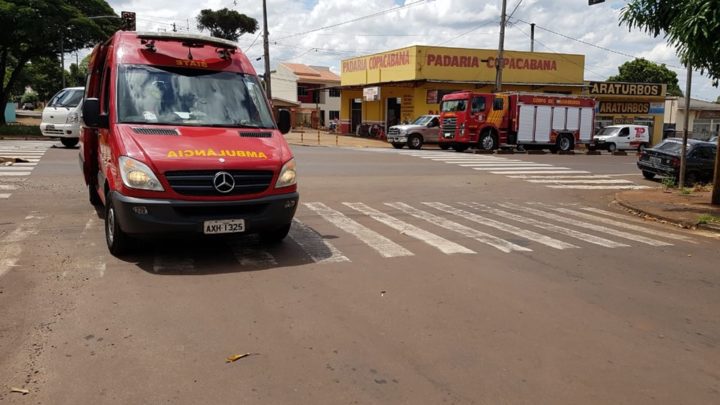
179	138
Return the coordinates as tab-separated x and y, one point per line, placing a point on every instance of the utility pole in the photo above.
532	37
683	161
266	47
499	62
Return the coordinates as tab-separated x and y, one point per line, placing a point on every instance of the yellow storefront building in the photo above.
397	86
630	103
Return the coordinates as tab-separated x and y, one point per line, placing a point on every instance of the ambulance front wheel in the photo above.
118	242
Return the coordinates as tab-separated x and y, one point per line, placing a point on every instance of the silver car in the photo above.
425	129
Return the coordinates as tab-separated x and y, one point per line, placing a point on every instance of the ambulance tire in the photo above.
398	145
487	141
612	147
69	142
118	242
460	148
565	143
444	146
415	142
274	236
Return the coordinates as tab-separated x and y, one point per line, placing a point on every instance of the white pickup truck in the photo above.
425	129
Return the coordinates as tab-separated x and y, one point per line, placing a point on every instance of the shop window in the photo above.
301	91
334	115
334	92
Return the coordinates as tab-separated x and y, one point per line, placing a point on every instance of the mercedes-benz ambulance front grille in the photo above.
200	182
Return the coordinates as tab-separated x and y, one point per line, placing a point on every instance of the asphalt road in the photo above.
409	278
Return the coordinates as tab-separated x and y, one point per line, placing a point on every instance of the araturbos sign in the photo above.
627	89
610	107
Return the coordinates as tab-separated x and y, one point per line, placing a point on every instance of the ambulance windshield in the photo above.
176	96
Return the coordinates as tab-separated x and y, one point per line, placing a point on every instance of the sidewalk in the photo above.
691	210
313	137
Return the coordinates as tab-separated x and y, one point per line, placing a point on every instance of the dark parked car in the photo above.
664	160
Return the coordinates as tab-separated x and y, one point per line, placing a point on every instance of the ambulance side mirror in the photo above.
284	121
91	114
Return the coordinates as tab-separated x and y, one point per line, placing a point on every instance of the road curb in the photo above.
638	211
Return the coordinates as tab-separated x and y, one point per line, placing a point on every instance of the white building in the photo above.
704	119
314	87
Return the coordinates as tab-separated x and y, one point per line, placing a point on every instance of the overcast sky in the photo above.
323	32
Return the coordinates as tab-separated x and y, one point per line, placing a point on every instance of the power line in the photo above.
588	43
390	10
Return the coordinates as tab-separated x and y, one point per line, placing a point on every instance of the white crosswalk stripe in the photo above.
548	226
320	250
466	231
471	227
30	152
522	169
384	246
523	233
581	224
431	239
619	224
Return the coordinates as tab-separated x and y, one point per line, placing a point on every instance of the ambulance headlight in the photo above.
287	175
136	174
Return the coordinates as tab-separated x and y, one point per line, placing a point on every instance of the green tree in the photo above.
29	97
691	26
43	76
225	23
31	30
644	71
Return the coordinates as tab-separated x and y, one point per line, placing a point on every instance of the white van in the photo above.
619	137
62	115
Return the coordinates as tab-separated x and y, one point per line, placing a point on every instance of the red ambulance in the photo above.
179	138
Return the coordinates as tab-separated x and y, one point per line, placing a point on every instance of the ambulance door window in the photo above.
105	103
624	138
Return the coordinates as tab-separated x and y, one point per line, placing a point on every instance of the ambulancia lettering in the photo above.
191	63
188	153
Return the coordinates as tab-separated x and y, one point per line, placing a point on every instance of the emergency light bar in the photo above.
190	40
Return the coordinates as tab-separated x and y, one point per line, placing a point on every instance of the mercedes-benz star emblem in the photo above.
224	182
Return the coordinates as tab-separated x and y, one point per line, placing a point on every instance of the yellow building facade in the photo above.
630	103
397	86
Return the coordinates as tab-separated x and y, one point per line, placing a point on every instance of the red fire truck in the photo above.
492	120
179	138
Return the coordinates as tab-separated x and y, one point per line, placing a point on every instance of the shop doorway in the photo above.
392	112
355	114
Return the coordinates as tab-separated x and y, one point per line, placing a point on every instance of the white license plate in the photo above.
224	226
448	134
655	160
50	126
